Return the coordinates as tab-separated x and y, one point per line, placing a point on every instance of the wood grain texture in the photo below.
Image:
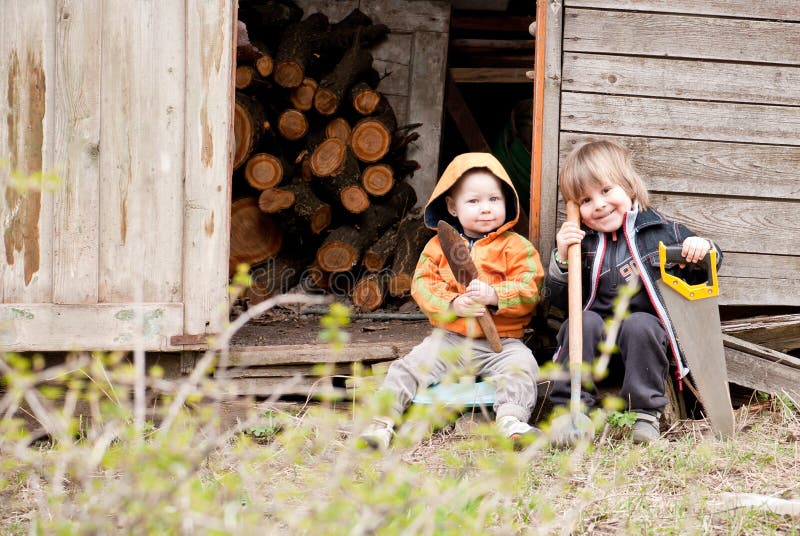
681	79
27	35
703	167
668	118
288	354
142	136
208	137
409	15
425	106
550	131
490	75
76	209
656	34
786	10
49	327
761	374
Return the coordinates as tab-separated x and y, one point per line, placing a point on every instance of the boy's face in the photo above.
478	202
603	207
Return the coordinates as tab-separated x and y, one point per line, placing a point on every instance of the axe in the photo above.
457	255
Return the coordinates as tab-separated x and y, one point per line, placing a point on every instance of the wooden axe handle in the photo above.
490	330
575	312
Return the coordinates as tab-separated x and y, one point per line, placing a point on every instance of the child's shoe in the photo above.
515	429
379	433
645	429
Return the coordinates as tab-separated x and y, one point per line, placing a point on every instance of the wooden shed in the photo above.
130	106
706	95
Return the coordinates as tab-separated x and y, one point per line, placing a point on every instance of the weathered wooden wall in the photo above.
414	57
706	94
129	103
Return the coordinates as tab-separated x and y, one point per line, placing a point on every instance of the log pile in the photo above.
319	159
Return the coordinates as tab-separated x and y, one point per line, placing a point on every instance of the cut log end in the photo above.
292	124
354	199
338	128
326	102
255	237
400	285
378	179
265	65
302	97
337	257
244	76
370	140
321	219
288	74
369	292
365	102
263	171
328	157
274	200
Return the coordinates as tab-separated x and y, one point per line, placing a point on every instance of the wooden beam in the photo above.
464	120
781	332
489	75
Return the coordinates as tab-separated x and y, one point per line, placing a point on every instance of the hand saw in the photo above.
694	313
464	270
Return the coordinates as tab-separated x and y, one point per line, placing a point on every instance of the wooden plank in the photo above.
703	167
648	34
670	118
395	77
77	150
208	135
410	15
489	22
778	332
425	105
490	75
761	374
290	354
550	129
27	43
682	79
47	327
399	104
464	120
299	385
396	48
756	279
141	191
283	371
786	10
392	60
743	225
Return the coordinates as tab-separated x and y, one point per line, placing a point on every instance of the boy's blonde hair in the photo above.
597	163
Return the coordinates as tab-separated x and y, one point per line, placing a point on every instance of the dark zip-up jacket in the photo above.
642	232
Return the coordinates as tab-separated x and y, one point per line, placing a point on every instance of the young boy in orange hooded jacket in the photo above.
477	197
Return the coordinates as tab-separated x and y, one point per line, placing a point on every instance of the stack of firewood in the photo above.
319	160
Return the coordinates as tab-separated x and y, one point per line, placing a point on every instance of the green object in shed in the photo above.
513	148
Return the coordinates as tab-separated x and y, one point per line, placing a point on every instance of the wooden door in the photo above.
129	105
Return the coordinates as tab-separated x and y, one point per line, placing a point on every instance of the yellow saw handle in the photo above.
672	254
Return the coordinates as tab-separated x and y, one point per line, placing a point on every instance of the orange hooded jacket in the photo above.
504	259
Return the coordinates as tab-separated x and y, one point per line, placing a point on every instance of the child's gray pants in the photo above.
513	371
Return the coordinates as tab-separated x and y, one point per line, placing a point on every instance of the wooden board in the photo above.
682	79
425	105
680	36
26	148
142	138
787	10
208	131
669	118
47	327
316	353
409	15
706	167
493	75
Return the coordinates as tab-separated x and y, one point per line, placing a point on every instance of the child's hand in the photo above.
570	233
481	292
466	306
694	249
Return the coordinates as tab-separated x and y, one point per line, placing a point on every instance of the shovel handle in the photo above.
575	313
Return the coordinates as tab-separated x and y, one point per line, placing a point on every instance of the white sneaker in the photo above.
514	429
379	433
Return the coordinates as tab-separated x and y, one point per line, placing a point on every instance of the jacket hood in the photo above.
436	208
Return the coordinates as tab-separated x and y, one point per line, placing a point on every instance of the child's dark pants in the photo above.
642	344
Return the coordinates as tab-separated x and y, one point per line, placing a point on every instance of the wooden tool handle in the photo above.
490	330
575	312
